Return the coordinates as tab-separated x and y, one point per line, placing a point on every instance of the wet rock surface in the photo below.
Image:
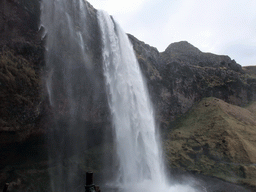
21	60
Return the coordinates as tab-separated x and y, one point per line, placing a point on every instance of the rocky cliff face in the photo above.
21	61
22	104
183	75
25	102
26	115
185	53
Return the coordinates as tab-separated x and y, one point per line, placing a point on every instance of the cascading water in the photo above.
140	162
131	109
73	88
75	94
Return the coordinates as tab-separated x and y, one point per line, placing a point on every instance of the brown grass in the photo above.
20	87
215	138
251	70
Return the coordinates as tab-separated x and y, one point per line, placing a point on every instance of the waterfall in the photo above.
75	49
73	87
140	161
132	112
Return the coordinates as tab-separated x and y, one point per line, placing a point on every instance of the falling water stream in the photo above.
70	80
138	150
73	89
133	116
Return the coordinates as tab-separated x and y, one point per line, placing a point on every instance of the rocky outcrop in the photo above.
250	73
185	53
20	98
19	21
185	75
21	61
25	102
23	107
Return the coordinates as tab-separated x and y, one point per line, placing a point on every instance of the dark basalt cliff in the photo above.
21	61
185	53
177	79
183	75
24	99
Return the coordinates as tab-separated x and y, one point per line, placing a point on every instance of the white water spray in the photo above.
72	88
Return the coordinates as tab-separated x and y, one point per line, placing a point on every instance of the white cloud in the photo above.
212	26
115	7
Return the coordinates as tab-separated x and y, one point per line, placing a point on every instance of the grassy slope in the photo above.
217	139
251	70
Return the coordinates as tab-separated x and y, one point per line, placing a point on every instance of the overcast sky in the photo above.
226	27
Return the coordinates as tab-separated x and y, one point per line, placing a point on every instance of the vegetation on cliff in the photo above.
217	139
20	96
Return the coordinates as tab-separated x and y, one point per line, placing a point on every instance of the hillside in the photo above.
215	138
250	70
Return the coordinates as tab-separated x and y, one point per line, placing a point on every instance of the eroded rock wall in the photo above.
21	61
183	75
